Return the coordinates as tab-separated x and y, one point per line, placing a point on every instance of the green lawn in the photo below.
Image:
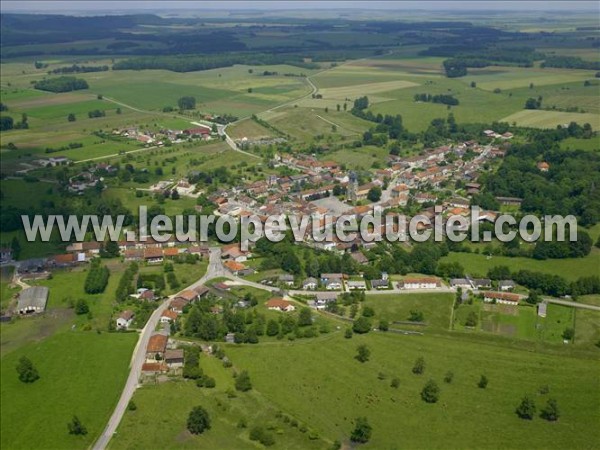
81	373
570	268
166	407
436	308
324	385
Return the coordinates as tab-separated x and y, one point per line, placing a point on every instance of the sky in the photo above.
107	7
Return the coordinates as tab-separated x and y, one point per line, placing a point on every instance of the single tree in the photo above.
362	431
272	328
483	382
526	409
395	382
81	307
419	366
448	377
305	317
348	333
242	381
363	353
71	117
430	392
384	325
76	427
550	411
27	372
374	194
198	420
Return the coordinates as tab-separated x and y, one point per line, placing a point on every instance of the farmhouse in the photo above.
479	283
32	300
188	295
462	283
420	283
235	268
504	298
153	368
125	319
174	358
279	304
177	305
153	255
168	316
234	252
156	348
506	285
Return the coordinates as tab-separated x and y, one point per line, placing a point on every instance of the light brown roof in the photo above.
127	315
153	252
174	354
170	314
277	303
502	296
188	295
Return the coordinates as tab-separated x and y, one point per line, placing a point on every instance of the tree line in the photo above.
61	84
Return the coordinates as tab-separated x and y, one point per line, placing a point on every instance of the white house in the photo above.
356	285
310	284
420	283
333	285
125	320
279	304
504	298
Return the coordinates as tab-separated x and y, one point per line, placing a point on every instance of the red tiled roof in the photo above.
157	343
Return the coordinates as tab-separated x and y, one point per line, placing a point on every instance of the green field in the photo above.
81	373
551	119
570	268
166	407
436	309
325	386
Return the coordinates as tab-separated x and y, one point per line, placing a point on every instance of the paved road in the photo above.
572	303
215	269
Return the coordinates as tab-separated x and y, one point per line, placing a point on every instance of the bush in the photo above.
131	406
27	372
76	427
361	325
448	377
242	381
395	382
363	353
430	392
550	411
526	409
483	382
259	434
198	420
362	431
419	366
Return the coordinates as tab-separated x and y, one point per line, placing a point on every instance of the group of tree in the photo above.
527	409
188	63
533	103
97	278
61	84
78	69
186	102
96	113
125	287
569	62
445	99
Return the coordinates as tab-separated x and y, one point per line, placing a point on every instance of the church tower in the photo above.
352	188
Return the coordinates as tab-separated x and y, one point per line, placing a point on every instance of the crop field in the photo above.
306	123
551	119
570	268
248	128
505	78
317	379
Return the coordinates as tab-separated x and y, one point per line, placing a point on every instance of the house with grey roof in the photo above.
33	300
